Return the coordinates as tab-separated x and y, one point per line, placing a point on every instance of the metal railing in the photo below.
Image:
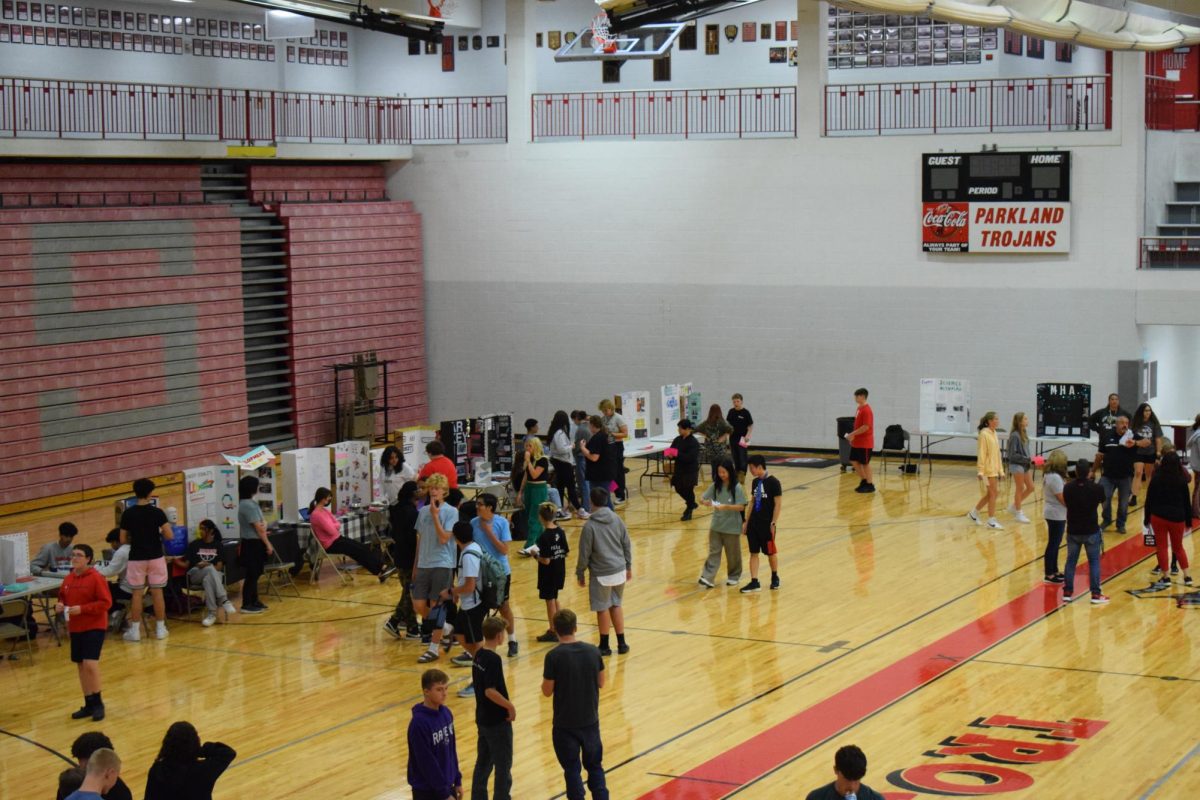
1169	252
34	108
760	112
1075	103
1166	109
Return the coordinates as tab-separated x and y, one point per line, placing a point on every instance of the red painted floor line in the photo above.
788	739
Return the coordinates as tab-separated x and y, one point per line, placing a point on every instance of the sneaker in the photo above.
392	629
863	488
463	659
229	607
606	651
134	634
387	573
752	586
98	712
258	609
1012	509
705	582
731	581
414	634
209	620
160	630
994	525
583	515
974	516
1120	530
560	515
1154	573
870	489
426	639
1132	500
861	483
548	636
1066	596
774	582
1159	585
1054	579
513	647
116	619
467	691
83	713
1099	599
1020	517
687	515
622	649
1187	580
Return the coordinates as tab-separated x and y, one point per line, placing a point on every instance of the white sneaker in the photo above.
134	634
994	525
1012	509
208	621
974	516
582	514
732	581
160	630
1020	517
229	608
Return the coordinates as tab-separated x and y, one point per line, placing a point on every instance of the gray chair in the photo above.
279	574
318	556
19	610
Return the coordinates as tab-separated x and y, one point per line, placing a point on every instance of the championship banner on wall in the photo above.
996	202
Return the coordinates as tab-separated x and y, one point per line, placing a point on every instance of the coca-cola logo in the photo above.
945	220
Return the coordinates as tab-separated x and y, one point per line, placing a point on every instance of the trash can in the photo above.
844	426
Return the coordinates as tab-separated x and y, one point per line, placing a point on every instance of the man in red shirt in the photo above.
438	463
862	442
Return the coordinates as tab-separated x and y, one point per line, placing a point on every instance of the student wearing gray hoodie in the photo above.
605	551
55	556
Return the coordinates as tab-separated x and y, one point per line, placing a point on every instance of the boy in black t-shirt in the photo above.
494	714
552	552
766	501
597	469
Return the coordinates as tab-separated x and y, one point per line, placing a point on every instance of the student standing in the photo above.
468	625
396	473
728	500
1054	510
435	560
1019	464
494	716
145	528
687	467
580	433
103	771
185	769
716	432
989	468
742	422
84	600
618	431
438	464
1147	434
564	460
573	674
596	452
255	546
404	551
1117	461
534	490
433	770
493	534
1081	497
1168	510
862	442
552	550
606	554
759	528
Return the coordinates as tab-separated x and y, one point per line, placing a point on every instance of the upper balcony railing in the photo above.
1014	105
1167	109
32	108
759	112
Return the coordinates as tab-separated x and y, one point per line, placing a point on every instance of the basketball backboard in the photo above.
646	41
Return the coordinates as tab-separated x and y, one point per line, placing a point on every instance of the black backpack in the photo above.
893	437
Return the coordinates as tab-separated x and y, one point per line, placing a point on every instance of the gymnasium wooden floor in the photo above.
901	627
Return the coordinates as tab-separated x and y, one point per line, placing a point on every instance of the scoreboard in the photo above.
996	202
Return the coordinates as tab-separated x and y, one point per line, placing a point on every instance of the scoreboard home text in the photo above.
996	202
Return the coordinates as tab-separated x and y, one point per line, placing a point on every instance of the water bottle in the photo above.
852	796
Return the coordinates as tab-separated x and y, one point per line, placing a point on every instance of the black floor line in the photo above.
48	749
687	778
1089	671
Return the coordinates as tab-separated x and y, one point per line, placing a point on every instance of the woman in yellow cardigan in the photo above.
990	469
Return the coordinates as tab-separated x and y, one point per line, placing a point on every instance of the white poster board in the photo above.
413	443
672	408
635	408
211	493
303	472
378	496
268	490
352	475
945	405
14	557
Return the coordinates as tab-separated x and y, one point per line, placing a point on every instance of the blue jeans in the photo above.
584	487
495	750
569	743
1055	528
1092	544
1123	488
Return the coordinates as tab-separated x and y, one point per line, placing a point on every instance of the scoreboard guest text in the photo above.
996	202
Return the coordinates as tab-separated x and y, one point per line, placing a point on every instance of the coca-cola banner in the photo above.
996	202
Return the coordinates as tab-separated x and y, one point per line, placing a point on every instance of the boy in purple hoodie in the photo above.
432	756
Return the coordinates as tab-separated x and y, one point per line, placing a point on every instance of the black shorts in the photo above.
469	624
550	584
1140	459
761	540
85	645
861	455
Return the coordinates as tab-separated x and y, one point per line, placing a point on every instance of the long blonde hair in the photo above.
1016	426
1057	463
535	445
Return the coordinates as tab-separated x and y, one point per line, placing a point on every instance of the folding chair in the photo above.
279	574
375	521
906	451
18	609
318	556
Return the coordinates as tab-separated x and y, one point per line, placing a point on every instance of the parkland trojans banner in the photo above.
996	203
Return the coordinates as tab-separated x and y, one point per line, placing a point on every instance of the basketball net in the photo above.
602	41
441	8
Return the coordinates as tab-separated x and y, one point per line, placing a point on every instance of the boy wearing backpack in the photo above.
468	625
493	534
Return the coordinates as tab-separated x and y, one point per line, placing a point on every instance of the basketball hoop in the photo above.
602	41
441	8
